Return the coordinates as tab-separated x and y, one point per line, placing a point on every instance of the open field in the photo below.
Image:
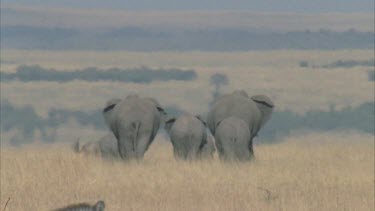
330	171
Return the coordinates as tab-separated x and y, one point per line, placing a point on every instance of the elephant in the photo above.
188	136
255	111
99	206
208	149
232	139
105	147
134	122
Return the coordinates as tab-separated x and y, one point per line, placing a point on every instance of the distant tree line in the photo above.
350	63
341	64
136	75
25	119
143	39
360	118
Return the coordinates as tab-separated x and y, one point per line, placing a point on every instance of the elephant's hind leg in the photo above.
125	145
142	144
251	150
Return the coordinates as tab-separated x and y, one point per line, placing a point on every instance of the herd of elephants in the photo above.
233	120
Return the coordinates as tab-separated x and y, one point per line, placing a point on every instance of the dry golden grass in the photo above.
306	172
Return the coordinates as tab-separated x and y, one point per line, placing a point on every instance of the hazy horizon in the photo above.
240	5
57	28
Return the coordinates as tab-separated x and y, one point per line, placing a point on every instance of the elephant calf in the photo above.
106	147
99	206
208	149
233	139
188	136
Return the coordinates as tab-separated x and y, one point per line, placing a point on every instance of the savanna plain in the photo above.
310	170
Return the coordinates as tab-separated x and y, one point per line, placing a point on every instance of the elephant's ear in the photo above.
108	108
264	100
168	124
170	120
218	123
111	104
161	110
157	104
201	119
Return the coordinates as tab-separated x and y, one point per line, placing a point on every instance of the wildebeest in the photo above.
99	206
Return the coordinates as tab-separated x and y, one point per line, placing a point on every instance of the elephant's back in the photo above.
187	125
187	134
135	108
134	111
233	128
232	124
234	105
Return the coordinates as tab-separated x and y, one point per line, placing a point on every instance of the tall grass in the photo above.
307	172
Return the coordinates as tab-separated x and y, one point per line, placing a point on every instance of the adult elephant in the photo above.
135	122
232	139
255	111
188	136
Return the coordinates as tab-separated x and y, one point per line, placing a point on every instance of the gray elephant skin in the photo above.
233	139
134	122
208	149
188	136
99	206
255	111
105	147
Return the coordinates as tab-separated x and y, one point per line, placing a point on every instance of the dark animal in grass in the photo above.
99	206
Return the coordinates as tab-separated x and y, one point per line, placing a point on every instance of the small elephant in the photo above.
134	122
208	149
99	206
255	111
188	135
232	139
106	147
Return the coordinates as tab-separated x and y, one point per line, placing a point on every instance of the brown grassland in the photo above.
329	171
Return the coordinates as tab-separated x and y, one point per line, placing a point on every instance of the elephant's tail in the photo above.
136	127
233	139
77	146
